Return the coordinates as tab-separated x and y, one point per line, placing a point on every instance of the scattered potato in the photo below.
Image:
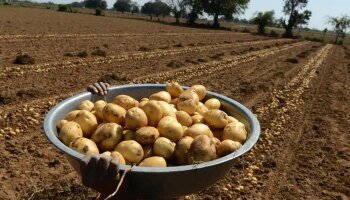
146	135
135	118
153	111
161	96
227	147
60	123
129	135
212	103
125	101
86	105
188	101
114	113
202	149
87	122
216	118
174	89
198	129
98	107
200	90
131	151
71	115
119	156
69	132
107	136
181	150
235	131
84	146
183	118
154	161
164	147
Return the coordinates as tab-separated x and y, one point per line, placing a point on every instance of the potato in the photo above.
135	118
84	146
161	96
174	89
202	149
70	131
235	131
212	103
216	142
71	115
147	151
154	161
98	107
200	90
174	101
131	151
164	147
167	110
87	122
146	135
201	109
153	111
217	133
172	130
119	156
86	105
183	118
129	135
142	104
107	136
61	123
188	101
181	150
114	113
106	153
165	120
232	119
227	147
198	129
216	118
197	119
125	101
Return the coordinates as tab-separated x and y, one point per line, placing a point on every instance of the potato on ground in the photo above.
98	107
119	156
188	101
227	147
125	101
216	118
86	105
235	131
161	96
129	135
146	135
69	132
164	147
202	149
135	118
200	90
131	151
71	115
114	113
84	146
60	123
107	136
181	150
174	89
154	161
147	151
153	111
198	129
87	122
212	103
183	118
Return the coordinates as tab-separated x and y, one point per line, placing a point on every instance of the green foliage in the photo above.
135	8
24	59
99	12
93	4
64	8
273	33
314	39
263	19
293	9
245	30
77	4
340	25
178	9
123	5
194	7
156	8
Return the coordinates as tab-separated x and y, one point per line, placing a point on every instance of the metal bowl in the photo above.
157	182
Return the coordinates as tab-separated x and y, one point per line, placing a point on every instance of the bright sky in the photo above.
320	9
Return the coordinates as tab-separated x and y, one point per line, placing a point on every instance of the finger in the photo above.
104	87
102	167
113	169
98	87
107	85
92	89
91	170
83	165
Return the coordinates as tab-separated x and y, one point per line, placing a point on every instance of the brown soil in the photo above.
298	90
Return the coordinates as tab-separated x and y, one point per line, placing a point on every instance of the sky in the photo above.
321	9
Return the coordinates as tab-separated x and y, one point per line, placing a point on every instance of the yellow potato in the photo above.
212	103
167	110
106	153
188	101
154	161
197	119
164	147
86	105
153	111
202	149
217	133
146	135
165	120
174	101
147	151
235	131
60	123
71	115
200	90
114	113
107	136
232	119
142	104
172	130
201	109
119	156
125	101
216	142
69	132
98	107
198	129
87	122
174	89
135	118
183	118
84	146
181	150
216	118
129	135
131	151
161	96
227	147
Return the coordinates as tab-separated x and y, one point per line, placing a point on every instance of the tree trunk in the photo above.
216	20
336	38
177	20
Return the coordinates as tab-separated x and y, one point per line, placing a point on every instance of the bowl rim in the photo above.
253	121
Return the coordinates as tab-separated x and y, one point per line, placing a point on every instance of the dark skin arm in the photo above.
99	88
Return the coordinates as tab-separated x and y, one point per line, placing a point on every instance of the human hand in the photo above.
99	88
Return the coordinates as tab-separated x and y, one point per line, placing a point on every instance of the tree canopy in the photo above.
340	25
293	8
95	4
263	19
156	8
123	5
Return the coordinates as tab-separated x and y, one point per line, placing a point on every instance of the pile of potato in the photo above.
169	128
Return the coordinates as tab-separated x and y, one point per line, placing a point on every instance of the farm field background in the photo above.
299	91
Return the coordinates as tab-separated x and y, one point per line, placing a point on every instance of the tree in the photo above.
224	7
303	19
340	24
293	8
177	8
263	19
93	4
135	8
156	8
77	4
193	8
324	33
123	5
147	9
